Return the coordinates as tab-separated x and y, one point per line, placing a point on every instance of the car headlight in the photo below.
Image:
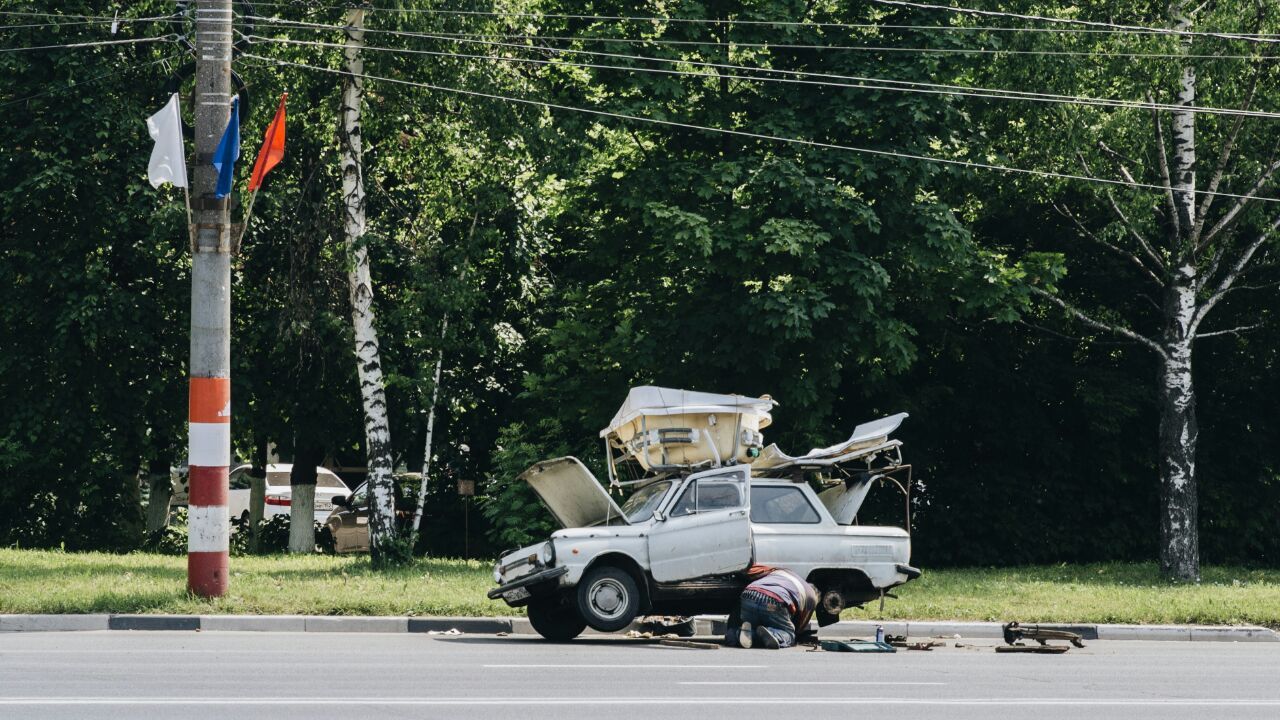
547	554
497	574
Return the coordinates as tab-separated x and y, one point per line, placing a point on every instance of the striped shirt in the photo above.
788	588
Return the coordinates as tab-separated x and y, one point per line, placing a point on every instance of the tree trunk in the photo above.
159	493
302	498
1179	529
382	527
431	429
257	492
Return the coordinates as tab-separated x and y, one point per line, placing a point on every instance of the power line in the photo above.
865	82
18	13
98	43
756	136
106	21
866	48
114	73
1104	26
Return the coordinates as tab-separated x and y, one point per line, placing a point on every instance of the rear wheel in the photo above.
608	598
554	620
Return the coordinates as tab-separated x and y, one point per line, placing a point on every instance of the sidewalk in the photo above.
704	625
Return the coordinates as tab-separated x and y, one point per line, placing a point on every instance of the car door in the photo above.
351	530
239	483
705	530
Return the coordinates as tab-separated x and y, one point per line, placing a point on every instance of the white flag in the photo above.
168	159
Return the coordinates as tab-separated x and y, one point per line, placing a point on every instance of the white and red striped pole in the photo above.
210	368
208	461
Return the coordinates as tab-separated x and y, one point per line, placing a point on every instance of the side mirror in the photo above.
658	516
341	501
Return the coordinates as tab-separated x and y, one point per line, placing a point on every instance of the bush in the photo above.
171	539
516	516
273	536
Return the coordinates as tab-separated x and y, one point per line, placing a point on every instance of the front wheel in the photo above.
608	598
554	620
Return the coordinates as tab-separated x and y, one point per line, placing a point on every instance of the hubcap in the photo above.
608	598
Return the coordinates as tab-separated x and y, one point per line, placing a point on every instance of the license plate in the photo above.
516	594
324	506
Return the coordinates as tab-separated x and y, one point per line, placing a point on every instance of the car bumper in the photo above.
519	592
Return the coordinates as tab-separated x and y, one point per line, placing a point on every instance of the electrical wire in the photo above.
1102	27
863	82
866	48
154	18
114	73
106	21
98	43
753	135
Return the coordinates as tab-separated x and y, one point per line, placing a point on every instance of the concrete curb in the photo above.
707	625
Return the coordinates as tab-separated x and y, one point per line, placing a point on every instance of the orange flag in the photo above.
272	151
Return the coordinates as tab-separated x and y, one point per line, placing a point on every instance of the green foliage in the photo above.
89	258
170	539
575	256
516	517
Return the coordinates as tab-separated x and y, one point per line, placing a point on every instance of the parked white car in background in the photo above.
279	493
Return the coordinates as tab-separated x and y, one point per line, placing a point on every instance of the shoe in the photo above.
744	635
765	639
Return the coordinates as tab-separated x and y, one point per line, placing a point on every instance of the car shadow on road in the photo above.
534	639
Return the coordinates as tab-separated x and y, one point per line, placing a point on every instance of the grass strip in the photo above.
37	581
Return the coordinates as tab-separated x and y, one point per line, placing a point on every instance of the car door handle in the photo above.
737	513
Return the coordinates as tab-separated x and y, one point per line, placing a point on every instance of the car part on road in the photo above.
667	624
864	646
1014	632
1033	649
689	644
608	598
555	620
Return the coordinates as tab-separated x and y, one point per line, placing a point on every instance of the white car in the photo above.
279	493
679	544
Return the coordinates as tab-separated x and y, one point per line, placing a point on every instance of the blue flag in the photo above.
224	158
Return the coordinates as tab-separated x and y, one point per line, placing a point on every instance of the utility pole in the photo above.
210	382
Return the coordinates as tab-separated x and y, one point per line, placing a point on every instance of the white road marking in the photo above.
629	667
805	683
380	701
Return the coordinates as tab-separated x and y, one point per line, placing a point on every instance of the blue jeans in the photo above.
765	612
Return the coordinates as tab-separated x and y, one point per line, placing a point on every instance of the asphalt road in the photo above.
311	675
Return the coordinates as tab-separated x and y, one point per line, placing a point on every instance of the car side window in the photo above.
360	498
781	505
240	480
707	495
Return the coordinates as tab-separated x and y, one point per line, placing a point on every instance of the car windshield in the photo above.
640	506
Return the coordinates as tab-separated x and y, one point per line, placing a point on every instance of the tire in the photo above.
554	620
608	598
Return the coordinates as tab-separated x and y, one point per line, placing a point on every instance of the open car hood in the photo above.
572	493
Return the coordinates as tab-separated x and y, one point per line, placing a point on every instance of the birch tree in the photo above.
377	430
1191	249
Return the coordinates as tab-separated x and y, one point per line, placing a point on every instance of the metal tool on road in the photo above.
1015	633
